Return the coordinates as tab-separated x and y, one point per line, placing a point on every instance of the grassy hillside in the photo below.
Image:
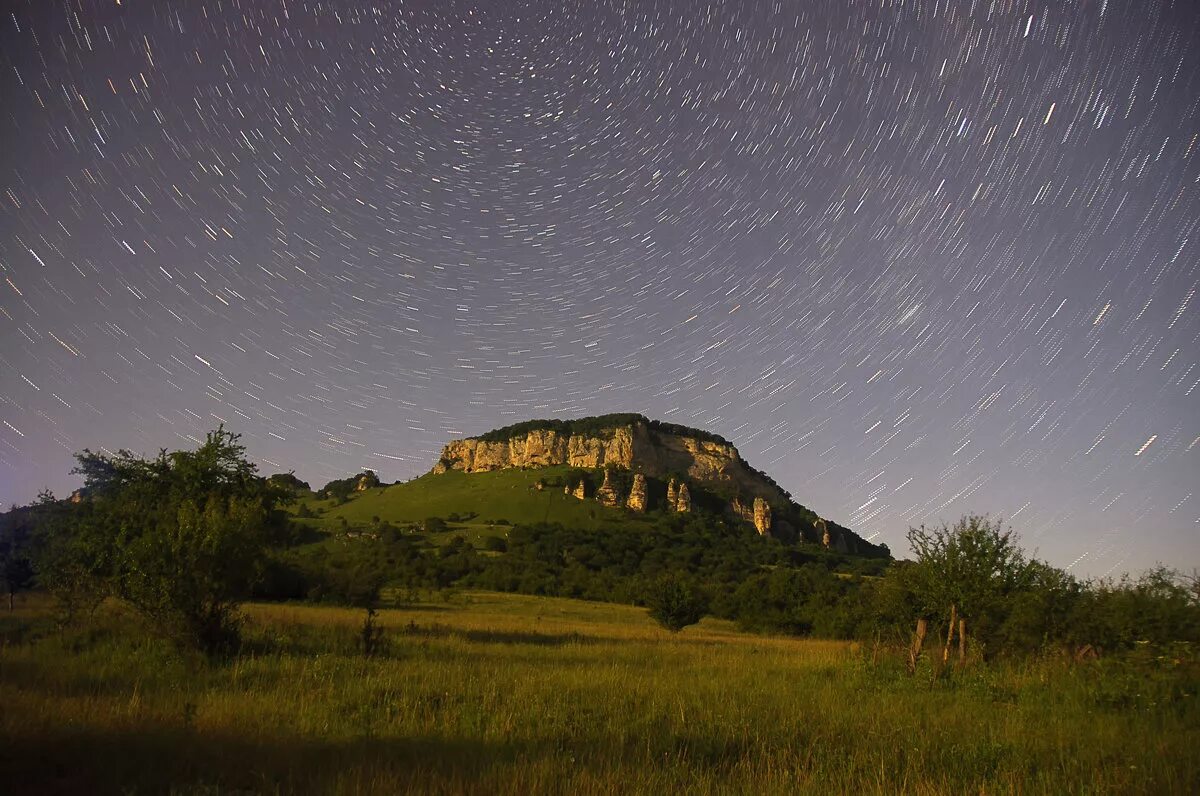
504	694
481	504
503	495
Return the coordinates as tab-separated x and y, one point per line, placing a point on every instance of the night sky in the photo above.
913	258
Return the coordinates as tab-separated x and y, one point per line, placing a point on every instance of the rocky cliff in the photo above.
635	446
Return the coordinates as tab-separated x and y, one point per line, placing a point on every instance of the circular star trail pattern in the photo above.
913	258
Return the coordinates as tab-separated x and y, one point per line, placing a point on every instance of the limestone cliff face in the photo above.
762	517
634	446
757	513
683	499
543	448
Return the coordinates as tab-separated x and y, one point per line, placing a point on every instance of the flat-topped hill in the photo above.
631	461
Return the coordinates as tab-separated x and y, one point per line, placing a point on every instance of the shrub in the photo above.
675	603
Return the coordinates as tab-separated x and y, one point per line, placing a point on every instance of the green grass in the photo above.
506	694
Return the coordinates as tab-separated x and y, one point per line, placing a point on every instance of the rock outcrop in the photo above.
580	491
607	493
758	514
762	517
683	499
637	494
633	445
541	448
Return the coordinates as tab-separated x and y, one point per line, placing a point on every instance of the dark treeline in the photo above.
184	537
594	425
768	587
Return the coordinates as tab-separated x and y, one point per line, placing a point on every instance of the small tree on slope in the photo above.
674	603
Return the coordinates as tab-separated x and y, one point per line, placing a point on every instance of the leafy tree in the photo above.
181	538
1158	607
340	489
1041	612
967	571
674	603
70	559
289	481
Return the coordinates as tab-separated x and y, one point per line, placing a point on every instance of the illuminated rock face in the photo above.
758	513
635	446
607	493
543	448
674	456
637	494
678	496
762	517
683	499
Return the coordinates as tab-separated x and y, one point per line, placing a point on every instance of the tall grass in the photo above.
509	694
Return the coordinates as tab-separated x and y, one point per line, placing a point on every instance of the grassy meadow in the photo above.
508	694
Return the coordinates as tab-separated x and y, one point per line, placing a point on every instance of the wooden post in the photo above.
962	640
950	633
918	643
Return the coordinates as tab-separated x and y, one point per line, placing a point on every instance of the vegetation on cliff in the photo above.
591	426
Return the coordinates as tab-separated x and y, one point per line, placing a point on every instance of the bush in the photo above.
496	544
675	603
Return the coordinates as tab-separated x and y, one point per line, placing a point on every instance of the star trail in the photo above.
913	258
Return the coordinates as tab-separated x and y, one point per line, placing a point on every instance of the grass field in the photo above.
503	694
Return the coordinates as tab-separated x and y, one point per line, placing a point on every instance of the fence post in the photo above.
950	632
918	643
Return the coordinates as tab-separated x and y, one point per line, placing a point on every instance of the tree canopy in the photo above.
181	537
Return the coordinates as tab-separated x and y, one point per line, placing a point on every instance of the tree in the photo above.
674	603
966	572
16	570
182	538
289	480
69	559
